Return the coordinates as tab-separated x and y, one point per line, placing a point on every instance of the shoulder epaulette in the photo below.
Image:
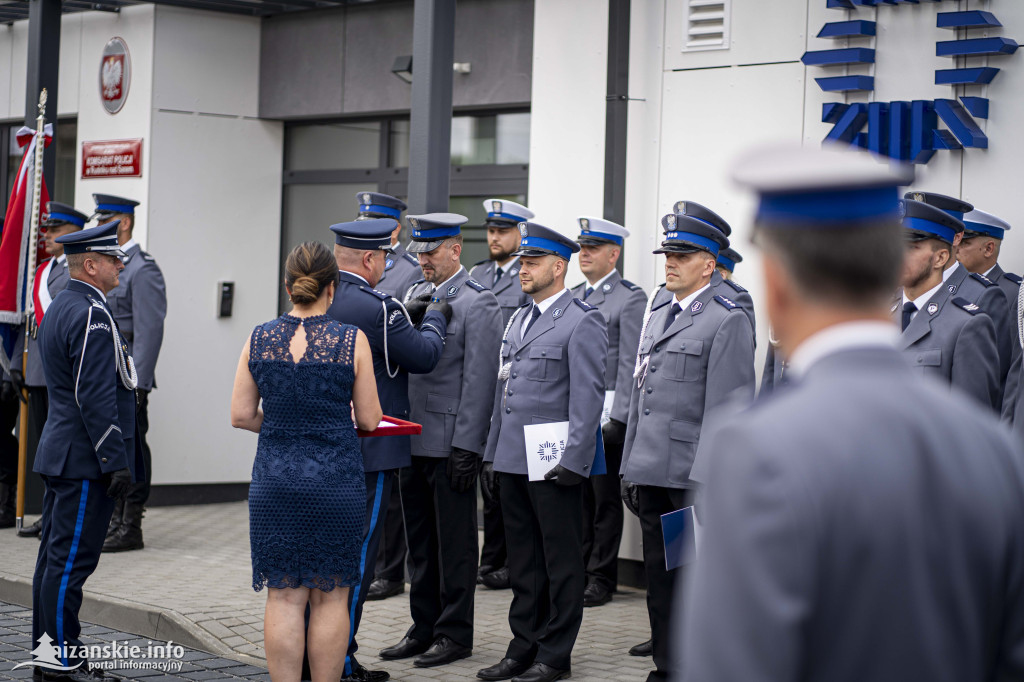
972	308
370	290
577	286
726	303
411	258
485	260
1016	279
983	279
734	285
473	284
629	285
583	304
146	257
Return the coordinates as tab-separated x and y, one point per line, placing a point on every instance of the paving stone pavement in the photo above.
196	564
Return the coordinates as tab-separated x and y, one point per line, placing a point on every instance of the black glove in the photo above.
614	432
18	381
118	483
488	481
417	308
462	469
563	476
631	496
8	393
442	307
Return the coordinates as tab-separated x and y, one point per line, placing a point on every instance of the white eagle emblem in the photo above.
901	211
496	206
366	198
413	222
584	223
522	229
680	207
112	72
670	219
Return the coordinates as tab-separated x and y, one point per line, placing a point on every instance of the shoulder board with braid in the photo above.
726	303
1016	279
411	258
473	284
972	308
734	285
629	285
583	304
370	290
983	279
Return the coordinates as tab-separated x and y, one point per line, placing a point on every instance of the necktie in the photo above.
588	292
671	317
497	276
534	316
908	310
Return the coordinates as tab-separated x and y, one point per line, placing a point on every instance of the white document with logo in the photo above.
545	445
606	411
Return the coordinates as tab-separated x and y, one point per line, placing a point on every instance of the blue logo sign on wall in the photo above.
909	131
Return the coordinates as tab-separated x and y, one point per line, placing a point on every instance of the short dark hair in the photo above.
310	267
853	265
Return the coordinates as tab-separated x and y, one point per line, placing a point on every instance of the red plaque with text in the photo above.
112	159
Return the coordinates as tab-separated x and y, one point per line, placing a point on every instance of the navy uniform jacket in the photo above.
723	287
622	305
408	350
401	270
139	304
56	280
992	301
954	341
861	525
1010	284
509	291
701	362
90	427
556	375
453	402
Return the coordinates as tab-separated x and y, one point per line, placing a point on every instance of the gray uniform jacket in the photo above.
56	281
401	271
453	401
556	374
508	289
139	304
852	532
1010	284
704	360
951	339
991	299
622	305
723	287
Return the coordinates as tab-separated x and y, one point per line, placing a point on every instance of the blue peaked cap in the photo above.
367	235
377	205
63	214
108	205
99	239
431	229
537	240
924	221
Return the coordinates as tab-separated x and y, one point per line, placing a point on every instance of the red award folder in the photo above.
392	426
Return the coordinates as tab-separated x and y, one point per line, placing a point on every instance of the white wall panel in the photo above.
7	60
68	82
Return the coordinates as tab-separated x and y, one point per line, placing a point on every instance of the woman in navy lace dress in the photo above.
307	498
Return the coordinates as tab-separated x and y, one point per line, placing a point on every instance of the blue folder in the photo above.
680	539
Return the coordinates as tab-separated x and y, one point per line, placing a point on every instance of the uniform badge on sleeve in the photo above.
395	314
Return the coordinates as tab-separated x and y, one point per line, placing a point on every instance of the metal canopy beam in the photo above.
43	69
616	112
430	126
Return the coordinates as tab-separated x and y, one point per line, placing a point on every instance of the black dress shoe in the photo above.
645	649
363	674
505	670
496	580
481	572
442	652
596	594
80	674
382	589
32	531
407	648
540	672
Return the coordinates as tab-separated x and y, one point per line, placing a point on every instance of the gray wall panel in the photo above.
301	59
496	38
375	34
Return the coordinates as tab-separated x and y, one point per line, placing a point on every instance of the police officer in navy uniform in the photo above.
453	403
696	354
943	334
401	269
622	304
139	305
361	248
88	452
51	278
501	274
552	370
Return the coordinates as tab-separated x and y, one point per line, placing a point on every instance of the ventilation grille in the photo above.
707	25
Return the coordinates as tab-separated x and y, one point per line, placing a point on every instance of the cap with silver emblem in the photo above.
702	213
537	240
596	231
503	213
63	214
684	234
99	239
951	205
431	229
922	221
377	205
367	234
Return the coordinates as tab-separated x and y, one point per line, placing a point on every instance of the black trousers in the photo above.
75	518
38	408
494	553
602	521
8	442
392	555
378	492
661	584
139	492
442	536
544	525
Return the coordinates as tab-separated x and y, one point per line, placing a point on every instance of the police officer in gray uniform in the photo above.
501	274
51	278
453	403
552	370
943	335
139	304
622	304
696	353
727	261
851	531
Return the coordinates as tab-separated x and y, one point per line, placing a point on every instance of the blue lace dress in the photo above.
308	494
